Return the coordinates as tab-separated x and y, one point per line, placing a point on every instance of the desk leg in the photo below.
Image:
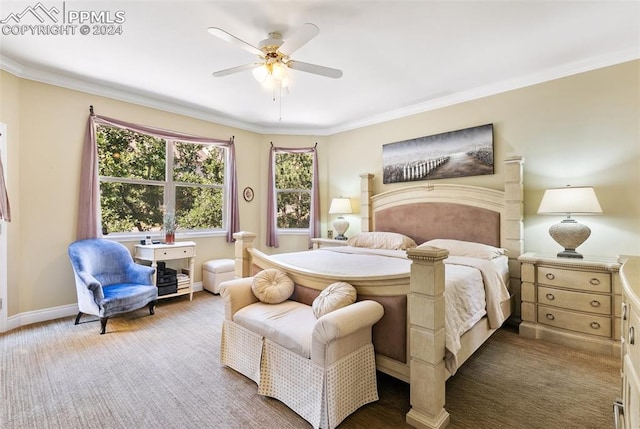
154	265
192	263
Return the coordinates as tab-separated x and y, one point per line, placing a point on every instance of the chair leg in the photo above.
78	318
103	325
152	307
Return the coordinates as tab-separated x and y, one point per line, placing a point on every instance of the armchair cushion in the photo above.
289	324
122	297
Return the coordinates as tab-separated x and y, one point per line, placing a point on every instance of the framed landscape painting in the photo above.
467	152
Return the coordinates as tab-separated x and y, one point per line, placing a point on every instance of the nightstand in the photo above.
327	242
574	302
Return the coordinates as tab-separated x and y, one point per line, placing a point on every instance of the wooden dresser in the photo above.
574	302
627	410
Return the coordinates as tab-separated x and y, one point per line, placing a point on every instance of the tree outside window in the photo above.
141	177
293	183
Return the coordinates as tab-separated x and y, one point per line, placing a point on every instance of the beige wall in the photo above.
580	130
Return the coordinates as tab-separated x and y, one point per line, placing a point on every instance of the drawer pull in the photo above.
550	276
550	316
632	336
550	297
594	281
595	325
624	311
595	303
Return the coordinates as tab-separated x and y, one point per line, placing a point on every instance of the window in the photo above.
141	176
293	186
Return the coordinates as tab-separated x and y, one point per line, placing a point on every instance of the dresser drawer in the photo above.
174	253
571	279
585	323
592	303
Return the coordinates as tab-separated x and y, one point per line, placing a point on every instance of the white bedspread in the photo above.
474	287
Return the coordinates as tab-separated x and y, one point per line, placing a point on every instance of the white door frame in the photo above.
3	237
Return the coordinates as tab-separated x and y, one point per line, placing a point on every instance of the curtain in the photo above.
89	209
5	207
314	215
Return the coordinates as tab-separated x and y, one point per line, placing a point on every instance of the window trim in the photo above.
314	220
169	194
276	191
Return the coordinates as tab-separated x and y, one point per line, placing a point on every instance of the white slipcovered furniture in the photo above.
216	271
322	368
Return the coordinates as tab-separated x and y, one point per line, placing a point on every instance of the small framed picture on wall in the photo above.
247	194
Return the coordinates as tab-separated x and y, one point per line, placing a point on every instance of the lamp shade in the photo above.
340	206
570	200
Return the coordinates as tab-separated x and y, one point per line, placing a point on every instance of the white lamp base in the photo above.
569	234
340	225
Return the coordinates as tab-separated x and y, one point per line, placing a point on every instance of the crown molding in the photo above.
131	95
570	69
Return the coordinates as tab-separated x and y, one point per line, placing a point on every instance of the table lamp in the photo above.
579	200
340	206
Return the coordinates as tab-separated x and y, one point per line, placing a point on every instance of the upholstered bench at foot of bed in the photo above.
323	369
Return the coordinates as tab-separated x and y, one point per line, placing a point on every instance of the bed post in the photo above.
366	210
427	339
513	224
244	240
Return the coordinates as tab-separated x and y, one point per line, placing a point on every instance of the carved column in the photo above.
244	240
513	224
366	210
427	338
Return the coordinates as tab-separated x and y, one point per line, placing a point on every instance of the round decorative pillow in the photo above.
272	286
333	297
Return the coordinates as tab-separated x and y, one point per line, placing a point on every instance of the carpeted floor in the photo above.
163	371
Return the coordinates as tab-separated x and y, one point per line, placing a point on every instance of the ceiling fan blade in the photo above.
307	32
220	33
236	69
315	69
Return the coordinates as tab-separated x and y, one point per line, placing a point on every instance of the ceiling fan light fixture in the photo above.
272	75
260	73
278	71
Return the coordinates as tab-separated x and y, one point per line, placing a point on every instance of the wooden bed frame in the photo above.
419	212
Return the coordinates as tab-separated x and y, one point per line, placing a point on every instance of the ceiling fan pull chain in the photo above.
280	114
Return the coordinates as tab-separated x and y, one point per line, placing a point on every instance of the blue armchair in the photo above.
108	281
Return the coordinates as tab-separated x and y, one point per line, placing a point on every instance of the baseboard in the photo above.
23	319
52	313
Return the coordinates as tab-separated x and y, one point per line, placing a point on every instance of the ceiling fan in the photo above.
274	55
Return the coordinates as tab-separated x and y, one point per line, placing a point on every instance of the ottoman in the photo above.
215	272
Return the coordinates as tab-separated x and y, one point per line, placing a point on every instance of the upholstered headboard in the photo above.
426	221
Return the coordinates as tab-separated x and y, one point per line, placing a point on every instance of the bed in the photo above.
411	341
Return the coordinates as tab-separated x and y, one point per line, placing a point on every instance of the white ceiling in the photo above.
398	57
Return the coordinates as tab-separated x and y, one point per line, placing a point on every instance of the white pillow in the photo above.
333	297
272	286
382	240
466	248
